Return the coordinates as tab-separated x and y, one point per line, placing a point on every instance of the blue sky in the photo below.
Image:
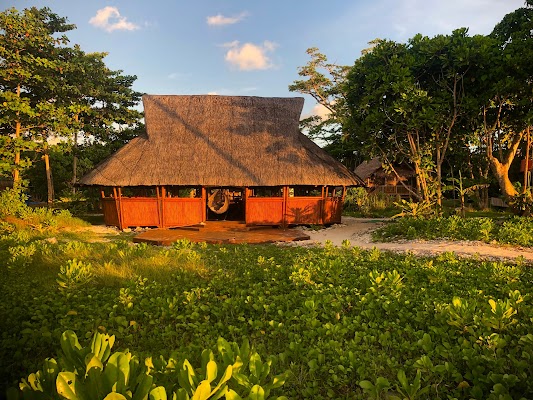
247	47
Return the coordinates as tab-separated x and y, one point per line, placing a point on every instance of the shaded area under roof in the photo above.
220	141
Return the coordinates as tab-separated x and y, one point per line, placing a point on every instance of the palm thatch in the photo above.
220	141
374	168
367	168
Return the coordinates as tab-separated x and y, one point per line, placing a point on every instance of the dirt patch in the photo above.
358	232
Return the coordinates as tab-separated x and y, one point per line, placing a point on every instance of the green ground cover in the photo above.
346	323
509	230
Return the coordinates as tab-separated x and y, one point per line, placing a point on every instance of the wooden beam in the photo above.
159	192
246	195
285	201
121	210
204	204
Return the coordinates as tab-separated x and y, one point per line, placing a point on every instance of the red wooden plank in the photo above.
264	210
304	210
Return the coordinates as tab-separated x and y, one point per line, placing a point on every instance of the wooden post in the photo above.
121	206
246	194
204	204
325	201
102	193
159	192
284	208
117	194
323	208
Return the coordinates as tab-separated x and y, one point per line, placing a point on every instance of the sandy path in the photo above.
358	231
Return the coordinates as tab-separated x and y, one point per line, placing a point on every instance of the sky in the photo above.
251	47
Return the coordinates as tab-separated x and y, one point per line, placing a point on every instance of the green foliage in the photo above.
12	202
415	209
358	200
521	204
343	321
94	373
73	275
14	211
516	230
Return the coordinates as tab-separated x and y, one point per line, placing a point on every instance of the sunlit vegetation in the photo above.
345	323
515	231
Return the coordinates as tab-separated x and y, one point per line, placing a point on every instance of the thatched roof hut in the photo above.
379	179
367	168
220	141
251	146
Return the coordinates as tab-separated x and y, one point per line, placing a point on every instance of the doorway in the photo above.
225	204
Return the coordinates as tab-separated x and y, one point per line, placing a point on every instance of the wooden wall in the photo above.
168	212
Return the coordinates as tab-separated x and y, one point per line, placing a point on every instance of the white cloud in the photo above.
249	56
109	19
320	111
221	20
212	93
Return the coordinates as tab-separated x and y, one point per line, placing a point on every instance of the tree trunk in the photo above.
501	173
439	178
526	169
16	171
49	178
75	158
420	173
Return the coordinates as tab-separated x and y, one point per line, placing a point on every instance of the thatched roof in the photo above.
220	141
374	167
367	168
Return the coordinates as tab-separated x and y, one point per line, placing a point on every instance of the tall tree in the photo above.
27	61
446	66
101	101
507	94
50	89
390	113
324	81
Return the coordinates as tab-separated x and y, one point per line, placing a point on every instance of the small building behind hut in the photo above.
221	157
378	179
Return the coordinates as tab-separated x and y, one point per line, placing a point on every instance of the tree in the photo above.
50	89
446	66
27	61
324	81
101	100
389	111
506	110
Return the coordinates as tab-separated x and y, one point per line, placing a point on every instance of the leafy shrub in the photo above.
517	230
522	204
415	209
453	227
74	274
317	311
12	203
21	255
94	373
